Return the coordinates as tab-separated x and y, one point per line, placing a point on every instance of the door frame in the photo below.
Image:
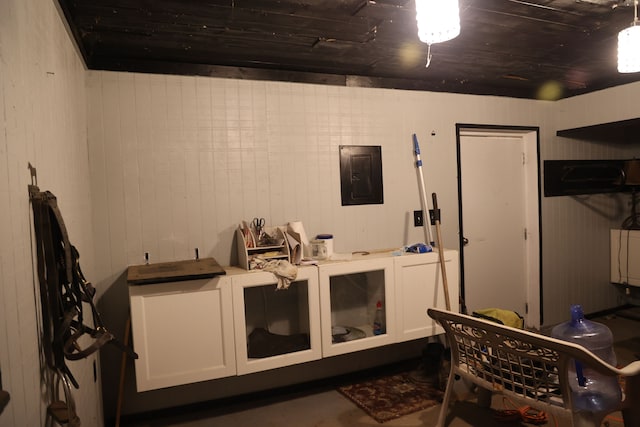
533	220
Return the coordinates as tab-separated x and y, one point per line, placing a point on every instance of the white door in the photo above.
499	200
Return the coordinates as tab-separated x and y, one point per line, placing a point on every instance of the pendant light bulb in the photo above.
438	20
629	45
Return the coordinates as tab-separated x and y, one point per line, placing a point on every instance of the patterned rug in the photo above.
389	397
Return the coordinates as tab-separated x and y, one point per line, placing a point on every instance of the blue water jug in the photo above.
591	390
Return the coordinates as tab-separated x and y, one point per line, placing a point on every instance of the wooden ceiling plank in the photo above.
508	46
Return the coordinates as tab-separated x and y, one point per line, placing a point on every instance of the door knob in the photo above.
465	241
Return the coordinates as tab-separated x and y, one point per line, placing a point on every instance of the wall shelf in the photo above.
575	177
623	131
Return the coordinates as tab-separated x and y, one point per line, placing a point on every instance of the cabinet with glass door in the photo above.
275	327
357	304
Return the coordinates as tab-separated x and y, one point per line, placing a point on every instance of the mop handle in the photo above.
443	268
426	223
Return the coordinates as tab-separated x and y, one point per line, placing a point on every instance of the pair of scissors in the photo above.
258	224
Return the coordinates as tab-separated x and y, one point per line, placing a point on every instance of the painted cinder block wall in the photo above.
218	151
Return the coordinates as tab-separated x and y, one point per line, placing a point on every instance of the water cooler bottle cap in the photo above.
577	315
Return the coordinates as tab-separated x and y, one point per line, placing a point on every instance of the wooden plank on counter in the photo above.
173	271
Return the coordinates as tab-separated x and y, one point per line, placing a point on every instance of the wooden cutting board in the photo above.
174	271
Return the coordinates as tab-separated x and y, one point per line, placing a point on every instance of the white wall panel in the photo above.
576	229
618	103
221	151
42	121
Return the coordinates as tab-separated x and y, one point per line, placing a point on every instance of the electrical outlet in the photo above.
418	219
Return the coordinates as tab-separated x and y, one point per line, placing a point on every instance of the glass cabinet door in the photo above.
276	328
357	305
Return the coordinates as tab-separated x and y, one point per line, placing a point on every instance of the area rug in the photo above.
389	397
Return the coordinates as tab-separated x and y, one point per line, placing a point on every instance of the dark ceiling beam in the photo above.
261	74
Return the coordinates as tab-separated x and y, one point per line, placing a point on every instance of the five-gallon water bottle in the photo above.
591	390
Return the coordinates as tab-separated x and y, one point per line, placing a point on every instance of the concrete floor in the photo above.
322	406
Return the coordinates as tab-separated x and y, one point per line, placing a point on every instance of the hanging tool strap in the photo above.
64	290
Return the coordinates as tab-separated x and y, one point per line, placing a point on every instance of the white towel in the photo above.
284	271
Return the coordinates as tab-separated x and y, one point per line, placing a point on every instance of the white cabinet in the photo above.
238	324
182	332
418	286
275	328
349	294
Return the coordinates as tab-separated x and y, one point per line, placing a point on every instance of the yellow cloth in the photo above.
499	315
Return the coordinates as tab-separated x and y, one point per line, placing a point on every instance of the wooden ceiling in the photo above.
546	49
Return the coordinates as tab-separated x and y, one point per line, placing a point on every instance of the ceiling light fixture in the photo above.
438	21
629	45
